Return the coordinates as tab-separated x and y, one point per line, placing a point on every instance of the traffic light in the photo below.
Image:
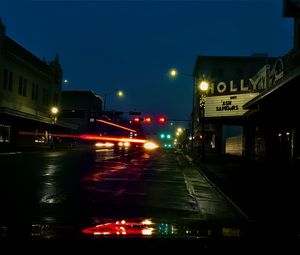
137	119
148	119
161	119
165	136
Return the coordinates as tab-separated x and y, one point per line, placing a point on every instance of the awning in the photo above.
284	80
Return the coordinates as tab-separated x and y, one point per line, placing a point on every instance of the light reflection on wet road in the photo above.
59	193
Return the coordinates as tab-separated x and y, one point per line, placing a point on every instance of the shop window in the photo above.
4	133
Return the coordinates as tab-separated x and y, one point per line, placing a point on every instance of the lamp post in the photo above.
203	88
54	111
119	93
173	73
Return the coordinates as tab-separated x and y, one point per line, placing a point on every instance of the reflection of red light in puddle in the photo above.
121	228
98	176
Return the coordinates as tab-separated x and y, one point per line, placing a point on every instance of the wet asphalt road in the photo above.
58	194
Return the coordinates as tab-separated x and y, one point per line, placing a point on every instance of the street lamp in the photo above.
54	112
119	93
203	88
173	73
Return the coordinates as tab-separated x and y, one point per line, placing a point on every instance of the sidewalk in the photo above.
267	193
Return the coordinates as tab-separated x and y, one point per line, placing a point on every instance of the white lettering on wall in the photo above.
221	87
243	88
232	87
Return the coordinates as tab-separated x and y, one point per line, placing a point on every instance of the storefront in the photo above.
273	116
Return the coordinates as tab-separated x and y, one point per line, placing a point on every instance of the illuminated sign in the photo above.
227	106
276	72
266	77
242	85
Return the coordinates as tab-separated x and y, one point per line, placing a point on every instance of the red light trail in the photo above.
115	125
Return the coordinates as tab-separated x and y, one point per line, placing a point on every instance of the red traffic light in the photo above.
148	119
137	119
161	119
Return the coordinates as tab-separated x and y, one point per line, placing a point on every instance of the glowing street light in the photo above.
203	89
179	130
54	112
173	73
119	93
203	86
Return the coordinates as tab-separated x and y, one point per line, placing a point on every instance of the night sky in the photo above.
131	45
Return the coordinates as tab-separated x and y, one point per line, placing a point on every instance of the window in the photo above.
4	133
34	91
7	79
22	86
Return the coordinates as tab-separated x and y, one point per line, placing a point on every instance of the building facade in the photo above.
232	83
273	119
29	88
251	107
81	108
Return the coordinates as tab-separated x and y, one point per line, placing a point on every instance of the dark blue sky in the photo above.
130	45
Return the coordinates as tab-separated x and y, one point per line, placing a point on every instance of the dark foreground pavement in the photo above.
267	193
